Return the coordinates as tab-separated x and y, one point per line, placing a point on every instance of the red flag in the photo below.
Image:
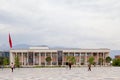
10	41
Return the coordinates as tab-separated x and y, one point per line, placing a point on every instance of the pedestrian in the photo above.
89	67
12	66
66	65
69	65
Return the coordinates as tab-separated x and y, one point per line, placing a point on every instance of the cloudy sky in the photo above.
67	23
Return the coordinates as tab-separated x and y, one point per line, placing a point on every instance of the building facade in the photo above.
4	54
37	55
117	56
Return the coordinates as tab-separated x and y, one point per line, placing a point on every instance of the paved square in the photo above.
97	73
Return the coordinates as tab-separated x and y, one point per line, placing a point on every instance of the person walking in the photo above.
89	67
66	65
12	66
69	65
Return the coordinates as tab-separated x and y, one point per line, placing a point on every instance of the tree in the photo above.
108	59
91	60
5	61
71	59
1	60
100	61
116	62
17	63
48	59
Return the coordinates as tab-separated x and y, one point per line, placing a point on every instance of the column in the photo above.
27	58
86	58
80	58
15	54
57	58
22	58
39	59
51	58
91	53
103	59
74	56
11	57
14	57
97	57
45	58
68	53
63	60
33	58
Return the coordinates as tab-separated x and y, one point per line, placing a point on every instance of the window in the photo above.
83	54
94	54
65	54
42	63
71	54
88	54
36	54
54	54
54	63
48	54
77	54
42	54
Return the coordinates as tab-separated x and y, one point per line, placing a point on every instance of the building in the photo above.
37	55
4	54
117	56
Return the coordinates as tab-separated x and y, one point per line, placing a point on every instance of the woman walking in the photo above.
12	66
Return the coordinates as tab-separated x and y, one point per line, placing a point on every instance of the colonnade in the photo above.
38	58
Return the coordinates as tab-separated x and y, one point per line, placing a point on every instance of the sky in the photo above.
66	23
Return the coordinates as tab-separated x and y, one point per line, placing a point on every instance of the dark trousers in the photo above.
12	69
89	68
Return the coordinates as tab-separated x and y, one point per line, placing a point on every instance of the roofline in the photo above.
66	49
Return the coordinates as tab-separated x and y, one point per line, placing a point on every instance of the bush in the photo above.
116	62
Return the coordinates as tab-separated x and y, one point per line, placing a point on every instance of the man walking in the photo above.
69	65
89	67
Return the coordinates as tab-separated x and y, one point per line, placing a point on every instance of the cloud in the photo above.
69	23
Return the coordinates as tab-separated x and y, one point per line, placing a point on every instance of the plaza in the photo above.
81	73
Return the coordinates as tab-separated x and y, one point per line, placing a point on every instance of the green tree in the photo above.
17	63
71	59
108	59
5	61
100	61
48	59
91	60
1	60
116	62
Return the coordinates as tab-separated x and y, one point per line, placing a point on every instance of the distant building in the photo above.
4	54
37	55
117	56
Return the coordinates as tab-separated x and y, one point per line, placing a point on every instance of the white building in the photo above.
37	55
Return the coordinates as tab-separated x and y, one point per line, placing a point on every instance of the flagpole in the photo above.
10	44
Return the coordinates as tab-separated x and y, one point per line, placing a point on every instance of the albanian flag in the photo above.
10	41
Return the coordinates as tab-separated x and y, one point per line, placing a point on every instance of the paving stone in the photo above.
97	73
